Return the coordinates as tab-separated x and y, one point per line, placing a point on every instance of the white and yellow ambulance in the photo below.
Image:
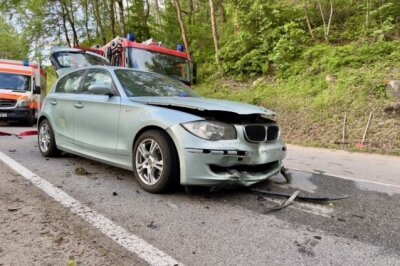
22	86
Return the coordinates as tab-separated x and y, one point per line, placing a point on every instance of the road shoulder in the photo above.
37	230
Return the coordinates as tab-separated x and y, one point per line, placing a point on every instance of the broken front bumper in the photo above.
213	163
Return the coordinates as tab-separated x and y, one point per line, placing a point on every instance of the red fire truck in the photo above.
126	52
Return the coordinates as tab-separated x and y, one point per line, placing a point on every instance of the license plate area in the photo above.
3	114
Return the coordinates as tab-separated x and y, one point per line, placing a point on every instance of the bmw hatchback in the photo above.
159	128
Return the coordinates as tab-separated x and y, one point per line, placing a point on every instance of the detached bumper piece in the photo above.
299	197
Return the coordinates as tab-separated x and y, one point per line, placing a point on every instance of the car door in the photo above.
60	106
96	113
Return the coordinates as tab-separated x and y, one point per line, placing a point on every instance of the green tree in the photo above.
138	20
12	44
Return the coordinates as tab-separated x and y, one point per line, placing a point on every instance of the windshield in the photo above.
168	65
137	83
78	60
15	82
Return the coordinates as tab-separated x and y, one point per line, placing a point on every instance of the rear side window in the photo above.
70	83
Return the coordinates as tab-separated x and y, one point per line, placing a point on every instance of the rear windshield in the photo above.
78	59
137	83
15	82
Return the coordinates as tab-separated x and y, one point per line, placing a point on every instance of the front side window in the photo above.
15	82
137	83
70	83
98	81
165	64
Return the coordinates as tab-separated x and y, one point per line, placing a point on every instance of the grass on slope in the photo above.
315	92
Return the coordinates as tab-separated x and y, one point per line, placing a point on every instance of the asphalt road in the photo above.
234	227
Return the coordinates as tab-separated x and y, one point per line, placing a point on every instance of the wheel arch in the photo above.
174	147
41	118
153	127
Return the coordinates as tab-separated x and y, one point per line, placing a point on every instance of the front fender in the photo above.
136	116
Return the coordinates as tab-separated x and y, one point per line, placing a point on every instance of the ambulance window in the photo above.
70	83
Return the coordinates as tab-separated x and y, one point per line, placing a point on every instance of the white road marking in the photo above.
129	241
345	177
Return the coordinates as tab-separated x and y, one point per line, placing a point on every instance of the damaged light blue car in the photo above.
159	128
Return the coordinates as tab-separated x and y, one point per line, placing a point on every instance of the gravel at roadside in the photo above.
37	231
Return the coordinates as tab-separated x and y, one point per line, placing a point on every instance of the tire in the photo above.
46	140
30	121
151	148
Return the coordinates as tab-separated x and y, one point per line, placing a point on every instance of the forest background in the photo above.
317	63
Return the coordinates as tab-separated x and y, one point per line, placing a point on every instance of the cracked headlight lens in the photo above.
211	130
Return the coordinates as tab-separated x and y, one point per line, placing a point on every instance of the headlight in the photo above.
210	130
23	103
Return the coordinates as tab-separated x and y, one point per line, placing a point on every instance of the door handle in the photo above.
53	102
78	105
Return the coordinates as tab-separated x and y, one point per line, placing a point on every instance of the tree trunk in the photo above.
64	24
330	18
70	17
183	30
222	10
310	30
158	14
191	11
367	14
214	32
112	17
72	21
122	16
326	26
147	14
98	21
86	8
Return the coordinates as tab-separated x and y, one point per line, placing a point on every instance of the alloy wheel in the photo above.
44	137
149	161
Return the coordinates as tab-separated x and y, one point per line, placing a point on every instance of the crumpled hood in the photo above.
201	104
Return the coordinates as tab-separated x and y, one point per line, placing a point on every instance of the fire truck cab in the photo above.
126	52
151	56
22	86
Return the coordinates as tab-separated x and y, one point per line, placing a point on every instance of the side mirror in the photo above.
100	90
110	94
36	90
194	78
